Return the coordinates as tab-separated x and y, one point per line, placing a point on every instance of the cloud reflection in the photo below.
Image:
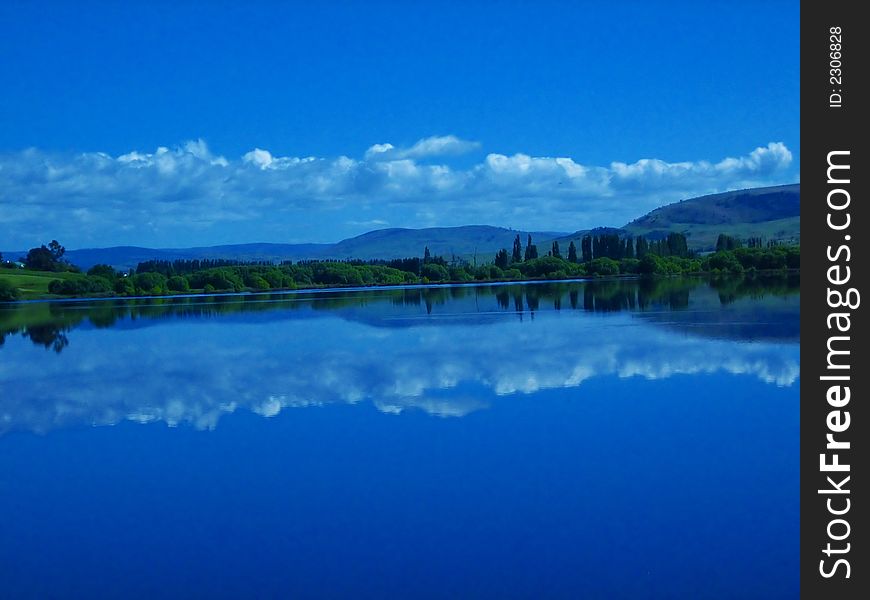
195	370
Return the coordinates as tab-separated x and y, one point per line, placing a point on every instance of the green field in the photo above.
33	284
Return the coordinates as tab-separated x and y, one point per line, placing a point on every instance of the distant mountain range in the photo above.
467	242
771	213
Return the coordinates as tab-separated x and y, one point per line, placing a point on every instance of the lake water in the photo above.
559	440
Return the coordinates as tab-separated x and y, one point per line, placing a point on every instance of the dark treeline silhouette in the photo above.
603	245
728	242
611	245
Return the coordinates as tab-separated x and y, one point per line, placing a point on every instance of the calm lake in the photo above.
611	439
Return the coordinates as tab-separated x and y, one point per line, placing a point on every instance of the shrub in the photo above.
149	283
494	272
258	283
335	273
124	286
80	287
435	272
8	292
544	266
177	283
603	266
104	271
629	265
460	274
652	264
221	278
724	261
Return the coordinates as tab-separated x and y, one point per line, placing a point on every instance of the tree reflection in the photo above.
47	324
49	336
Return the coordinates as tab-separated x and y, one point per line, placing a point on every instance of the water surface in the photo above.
564	440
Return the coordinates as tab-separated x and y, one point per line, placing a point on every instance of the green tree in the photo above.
586	248
652	264
555	251
80	287
57	251
531	250
40	259
629	265
177	283
641	247
727	242
572	252
677	245
124	286
502	259
603	266
724	261
8	292
104	271
150	283
436	272
517	254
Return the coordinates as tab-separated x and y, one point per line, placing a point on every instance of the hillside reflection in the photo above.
446	351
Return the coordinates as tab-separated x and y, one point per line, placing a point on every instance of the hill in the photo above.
482	241
772	213
125	257
466	241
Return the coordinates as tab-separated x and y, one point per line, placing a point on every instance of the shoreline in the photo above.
332	289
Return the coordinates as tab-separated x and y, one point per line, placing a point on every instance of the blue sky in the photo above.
132	124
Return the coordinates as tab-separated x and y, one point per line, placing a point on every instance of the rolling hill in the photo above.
772	213
125	257
467	241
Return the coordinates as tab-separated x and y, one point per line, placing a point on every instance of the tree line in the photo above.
600	255
604	245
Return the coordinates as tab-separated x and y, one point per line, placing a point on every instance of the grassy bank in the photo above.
33	285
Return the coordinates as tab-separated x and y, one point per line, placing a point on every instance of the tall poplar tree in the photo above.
572	252
517	254
531	249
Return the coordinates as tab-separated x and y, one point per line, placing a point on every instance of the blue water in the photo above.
544	441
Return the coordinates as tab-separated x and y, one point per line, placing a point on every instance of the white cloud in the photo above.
440	146
187	195
437	145
759	160
369	223
258	157
378	149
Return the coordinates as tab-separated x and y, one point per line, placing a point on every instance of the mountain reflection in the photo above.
447	351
